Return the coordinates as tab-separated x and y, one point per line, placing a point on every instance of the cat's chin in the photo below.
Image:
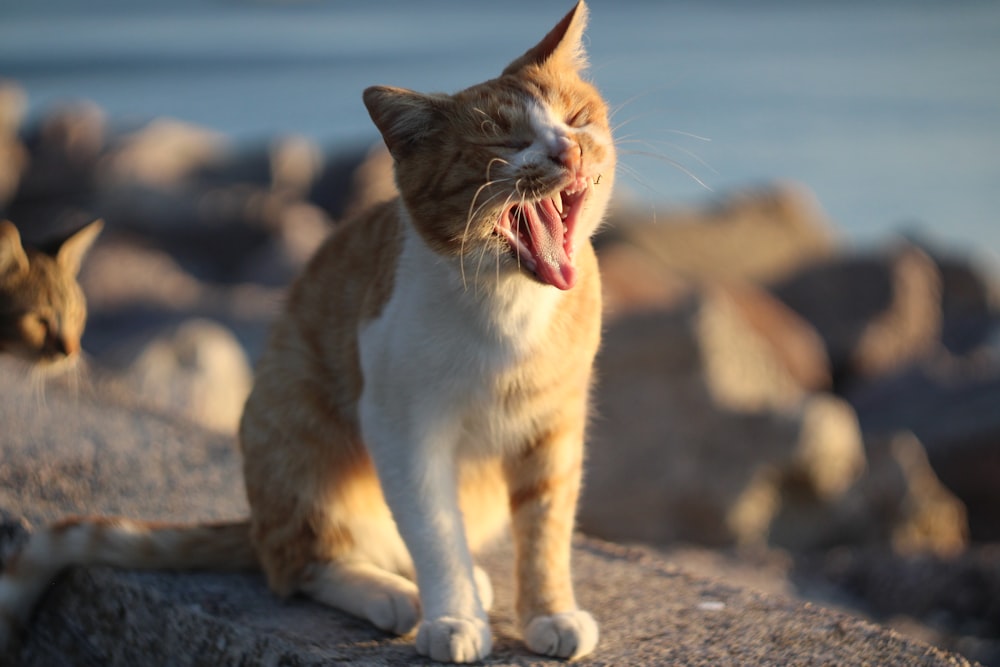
542	234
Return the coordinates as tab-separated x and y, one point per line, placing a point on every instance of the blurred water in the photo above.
889	110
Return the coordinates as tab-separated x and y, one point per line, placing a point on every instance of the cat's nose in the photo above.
63	346
69	346
569	154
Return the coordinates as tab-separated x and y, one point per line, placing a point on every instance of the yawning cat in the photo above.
427	384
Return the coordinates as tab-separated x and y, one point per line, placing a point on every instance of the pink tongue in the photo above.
547	242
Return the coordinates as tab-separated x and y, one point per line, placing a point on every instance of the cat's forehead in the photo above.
519	93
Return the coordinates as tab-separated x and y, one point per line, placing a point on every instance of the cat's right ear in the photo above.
13	259
562	46
404	117
73	249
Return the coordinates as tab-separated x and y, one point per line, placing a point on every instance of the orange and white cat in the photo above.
428	382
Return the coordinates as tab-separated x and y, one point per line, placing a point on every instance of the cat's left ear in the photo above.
404	117
563	46
71	252
13	259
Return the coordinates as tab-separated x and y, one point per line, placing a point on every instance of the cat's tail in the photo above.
116	542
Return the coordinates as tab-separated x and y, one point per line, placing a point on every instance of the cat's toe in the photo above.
484	587
396	612
451	639
571	634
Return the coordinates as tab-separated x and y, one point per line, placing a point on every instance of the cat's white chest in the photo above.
434	360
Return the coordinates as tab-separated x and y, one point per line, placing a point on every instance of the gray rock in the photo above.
65	453
55	192
876	313
71	450
758	235
957	597
950	404
899	505
699	427
649	612
197	370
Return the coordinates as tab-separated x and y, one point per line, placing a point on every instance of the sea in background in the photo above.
889	110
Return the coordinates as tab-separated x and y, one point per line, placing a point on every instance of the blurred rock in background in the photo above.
762	387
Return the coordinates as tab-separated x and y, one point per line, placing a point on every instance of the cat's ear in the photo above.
13	259
404	117
563	46
71	252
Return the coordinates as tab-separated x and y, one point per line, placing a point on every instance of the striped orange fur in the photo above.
427	385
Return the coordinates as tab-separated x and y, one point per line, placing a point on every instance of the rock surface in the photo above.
78	453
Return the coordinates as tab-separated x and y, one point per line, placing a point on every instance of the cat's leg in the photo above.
544	483
344	564
484	587
419	481
389	601
319	523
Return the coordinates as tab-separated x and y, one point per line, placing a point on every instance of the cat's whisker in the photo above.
653	143
673	163
485	248
636	176
643	139
488	121
474	211
493	161
620	140
517	222
73	376
689	135
615	109
37	377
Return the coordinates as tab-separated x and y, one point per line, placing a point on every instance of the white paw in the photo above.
451	639
571	634
483	587
396	612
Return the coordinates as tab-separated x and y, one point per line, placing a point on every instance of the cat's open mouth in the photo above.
540	234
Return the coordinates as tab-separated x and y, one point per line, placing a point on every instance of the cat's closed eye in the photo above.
579	118
511	144
36	329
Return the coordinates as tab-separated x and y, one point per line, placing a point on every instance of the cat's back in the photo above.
313	344
352	272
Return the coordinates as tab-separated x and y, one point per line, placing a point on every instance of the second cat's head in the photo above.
42	308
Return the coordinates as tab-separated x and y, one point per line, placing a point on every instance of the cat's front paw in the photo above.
395	611
571	634
453	639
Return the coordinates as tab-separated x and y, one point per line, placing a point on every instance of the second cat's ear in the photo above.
404	117
13	259
563	46
73	249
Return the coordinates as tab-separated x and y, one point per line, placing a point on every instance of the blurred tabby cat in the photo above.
42	308
427	384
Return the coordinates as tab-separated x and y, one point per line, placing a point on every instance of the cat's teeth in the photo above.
558	203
